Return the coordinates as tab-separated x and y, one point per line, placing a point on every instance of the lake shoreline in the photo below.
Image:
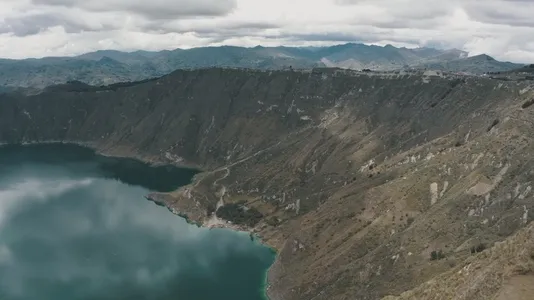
156	161
254	236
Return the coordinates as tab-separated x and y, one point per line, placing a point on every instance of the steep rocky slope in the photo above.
359	177
501	273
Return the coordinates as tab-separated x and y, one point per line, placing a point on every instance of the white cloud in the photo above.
35	28
12	197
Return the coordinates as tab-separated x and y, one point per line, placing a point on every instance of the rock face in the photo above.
359	177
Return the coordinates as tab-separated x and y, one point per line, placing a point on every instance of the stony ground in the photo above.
370	185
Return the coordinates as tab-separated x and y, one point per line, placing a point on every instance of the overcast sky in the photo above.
36	28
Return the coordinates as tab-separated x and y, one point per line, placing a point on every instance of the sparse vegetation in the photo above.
210	210
528	103
273	221
239	214
479	248
456	82
437	255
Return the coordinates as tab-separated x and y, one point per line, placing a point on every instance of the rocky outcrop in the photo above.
339	163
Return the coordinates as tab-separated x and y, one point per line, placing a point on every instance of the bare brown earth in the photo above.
520	287
360	177
501	273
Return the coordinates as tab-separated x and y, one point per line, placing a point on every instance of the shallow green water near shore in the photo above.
74	225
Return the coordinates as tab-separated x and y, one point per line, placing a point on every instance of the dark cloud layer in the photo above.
511	12
154	9
225	29
34	24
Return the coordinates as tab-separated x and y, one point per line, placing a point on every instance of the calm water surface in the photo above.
74	225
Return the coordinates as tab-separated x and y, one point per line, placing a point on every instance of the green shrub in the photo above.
274	221
479	248
437	255
238	214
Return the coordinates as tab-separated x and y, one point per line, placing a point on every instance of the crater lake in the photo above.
75	225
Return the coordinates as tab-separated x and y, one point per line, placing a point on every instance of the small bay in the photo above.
75	225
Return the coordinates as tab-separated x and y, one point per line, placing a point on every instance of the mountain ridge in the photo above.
111	66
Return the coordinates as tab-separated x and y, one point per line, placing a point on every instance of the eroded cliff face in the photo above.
359	177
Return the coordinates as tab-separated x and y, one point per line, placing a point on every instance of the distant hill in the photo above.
110	66
475	64
518	74
529	69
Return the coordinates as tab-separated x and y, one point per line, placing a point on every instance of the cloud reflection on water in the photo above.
67	236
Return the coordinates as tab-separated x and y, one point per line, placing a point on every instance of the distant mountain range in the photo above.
110	66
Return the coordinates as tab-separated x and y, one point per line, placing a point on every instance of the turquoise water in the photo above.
74	225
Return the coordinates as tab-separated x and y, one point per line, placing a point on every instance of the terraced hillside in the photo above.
368	185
